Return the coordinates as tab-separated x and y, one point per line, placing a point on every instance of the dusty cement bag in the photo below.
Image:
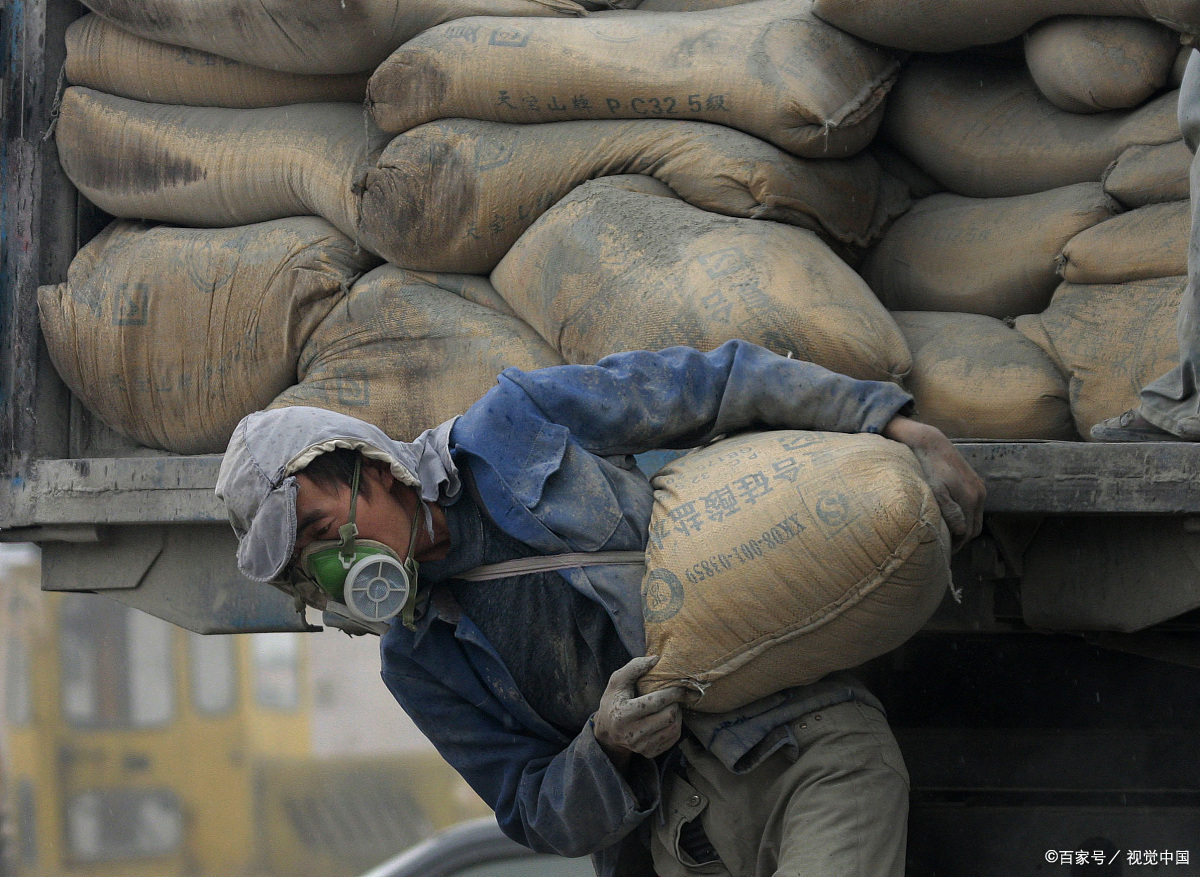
1150	174
351	36
469	286
205	166
405	354
976	377
1110	341
1088	64
919	183
984	130
994	256
777	557
1142	244
102	56
768	68
609	269
455	195
686	5
925	26
172	335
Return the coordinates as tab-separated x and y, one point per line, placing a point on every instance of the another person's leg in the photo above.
1169	408
836	807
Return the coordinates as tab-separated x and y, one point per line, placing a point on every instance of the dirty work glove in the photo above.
959	491
626	724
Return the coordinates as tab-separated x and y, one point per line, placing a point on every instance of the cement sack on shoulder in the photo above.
1110	339
778	557
1142	244
102	56
1087	64
1144	175
976	377
609	269
993	256
205	166
455	195
350	36
769	68
172	335
984	130
936	26
405	354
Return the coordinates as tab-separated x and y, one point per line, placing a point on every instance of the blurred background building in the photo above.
132	747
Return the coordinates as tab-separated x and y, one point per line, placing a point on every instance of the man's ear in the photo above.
380	475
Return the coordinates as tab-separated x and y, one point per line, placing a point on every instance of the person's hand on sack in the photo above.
626	723
959	491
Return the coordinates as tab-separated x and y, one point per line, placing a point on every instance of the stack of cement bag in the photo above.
232	121
375	208
1048	243
786	171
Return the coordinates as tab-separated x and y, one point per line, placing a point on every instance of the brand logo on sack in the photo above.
353	392
133	304
509	37
834	510
662	596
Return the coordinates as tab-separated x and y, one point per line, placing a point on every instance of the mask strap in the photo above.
408	613
349	530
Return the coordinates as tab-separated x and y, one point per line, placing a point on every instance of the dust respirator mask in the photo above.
367	577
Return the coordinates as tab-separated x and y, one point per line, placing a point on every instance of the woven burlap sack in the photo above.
102	56
686	5
1110	340
777	557
1149	242
1144	175
172	335
350	36
1089	64
933	26
984	129
469	286
994	256
975	377
919	183
206	166
605	254
405	354
769	68
455	195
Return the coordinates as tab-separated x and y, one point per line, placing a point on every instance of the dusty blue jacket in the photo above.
551	454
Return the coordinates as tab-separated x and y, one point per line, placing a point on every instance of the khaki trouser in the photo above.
839	809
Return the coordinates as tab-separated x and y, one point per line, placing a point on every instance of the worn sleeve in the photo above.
679	397
567	800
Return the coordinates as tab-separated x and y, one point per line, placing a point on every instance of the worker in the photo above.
1169	408
528	687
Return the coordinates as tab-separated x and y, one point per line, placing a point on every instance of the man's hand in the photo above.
625	723
959	491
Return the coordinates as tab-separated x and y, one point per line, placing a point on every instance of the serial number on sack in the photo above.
746	552
589	106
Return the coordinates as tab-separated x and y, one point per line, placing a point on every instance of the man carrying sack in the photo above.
527	687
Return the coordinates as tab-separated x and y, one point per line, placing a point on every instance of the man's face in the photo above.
381	516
